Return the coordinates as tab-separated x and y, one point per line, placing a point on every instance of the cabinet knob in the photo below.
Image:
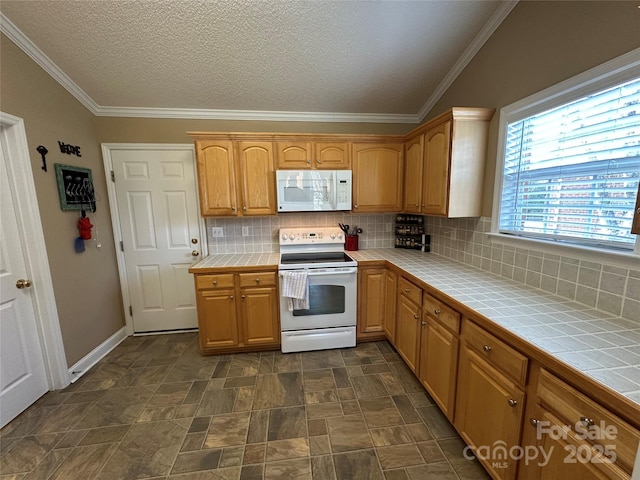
257	280
512	403
423	205
534	422
233	208
309	161
417	205
406	290
486	348
231	297
355	206
587	422
215	282
436	311
318	161
244	208
243	297
195	253
416	317
423	323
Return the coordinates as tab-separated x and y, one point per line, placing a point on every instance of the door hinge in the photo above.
113	176
121	246
130	310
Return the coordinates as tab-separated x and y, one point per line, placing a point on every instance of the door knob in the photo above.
195	253
23	283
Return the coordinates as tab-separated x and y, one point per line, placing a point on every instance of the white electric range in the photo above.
330	320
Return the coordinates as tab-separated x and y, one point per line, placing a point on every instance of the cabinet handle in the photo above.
512	403
486	348
406	290
587	422
257	280
231	297
215	282
534	422
436	311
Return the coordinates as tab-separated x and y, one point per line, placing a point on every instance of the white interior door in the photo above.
22	370
159	222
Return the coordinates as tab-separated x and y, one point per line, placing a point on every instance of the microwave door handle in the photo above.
334	197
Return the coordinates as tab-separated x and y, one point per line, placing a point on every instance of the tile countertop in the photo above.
603	347
596	343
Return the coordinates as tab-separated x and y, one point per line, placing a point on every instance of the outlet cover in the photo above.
217	232
245	231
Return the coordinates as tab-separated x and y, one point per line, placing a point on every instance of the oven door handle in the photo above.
345	271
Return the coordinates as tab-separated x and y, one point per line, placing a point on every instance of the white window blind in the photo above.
571	173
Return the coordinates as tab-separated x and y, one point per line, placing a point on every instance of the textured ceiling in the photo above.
384	57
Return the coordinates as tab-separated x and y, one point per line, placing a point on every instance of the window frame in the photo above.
623	68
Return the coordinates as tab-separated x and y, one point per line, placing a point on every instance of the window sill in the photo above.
629	259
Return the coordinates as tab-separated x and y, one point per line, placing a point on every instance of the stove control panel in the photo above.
311	235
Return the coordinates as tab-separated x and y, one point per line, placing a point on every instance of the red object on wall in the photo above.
84	225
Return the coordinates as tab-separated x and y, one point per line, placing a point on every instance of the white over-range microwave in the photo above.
313	190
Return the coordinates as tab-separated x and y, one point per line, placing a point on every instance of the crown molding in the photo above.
27	46
213	114
476	44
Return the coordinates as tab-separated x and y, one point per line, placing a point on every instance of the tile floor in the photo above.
155	408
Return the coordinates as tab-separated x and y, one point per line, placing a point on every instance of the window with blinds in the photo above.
571	173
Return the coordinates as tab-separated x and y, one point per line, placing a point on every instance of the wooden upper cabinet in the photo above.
316	155
451	174
332	155
635	227
413	154
258	178
377	177
435	183
216	178
294	155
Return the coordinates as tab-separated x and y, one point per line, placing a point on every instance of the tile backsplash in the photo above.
606	287
262	232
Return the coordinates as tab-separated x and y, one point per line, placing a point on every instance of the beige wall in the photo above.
86	285
154	130
538	45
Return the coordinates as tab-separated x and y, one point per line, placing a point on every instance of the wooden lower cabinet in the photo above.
489	412
241	317
408	329
217	319
439	363
371	308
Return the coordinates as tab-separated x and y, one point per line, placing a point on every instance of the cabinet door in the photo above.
389	323
258	178
435	184
293	155
259	311
377	177
372	308
408	331
216	178
567	457
414	157
330	155
489	411
217	319
439	363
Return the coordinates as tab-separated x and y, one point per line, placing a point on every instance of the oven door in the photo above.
332	301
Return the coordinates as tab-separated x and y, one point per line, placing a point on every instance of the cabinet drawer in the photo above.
257	279
447	315
510	361
579	412
410	290
214	281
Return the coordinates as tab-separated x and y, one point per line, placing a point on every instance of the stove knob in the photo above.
339	235
333	236
285	236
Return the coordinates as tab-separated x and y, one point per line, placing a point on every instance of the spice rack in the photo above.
410	233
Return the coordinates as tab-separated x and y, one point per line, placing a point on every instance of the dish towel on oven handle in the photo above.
295	290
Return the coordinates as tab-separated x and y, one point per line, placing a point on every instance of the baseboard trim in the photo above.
83	365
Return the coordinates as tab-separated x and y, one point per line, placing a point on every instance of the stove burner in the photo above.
314	257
